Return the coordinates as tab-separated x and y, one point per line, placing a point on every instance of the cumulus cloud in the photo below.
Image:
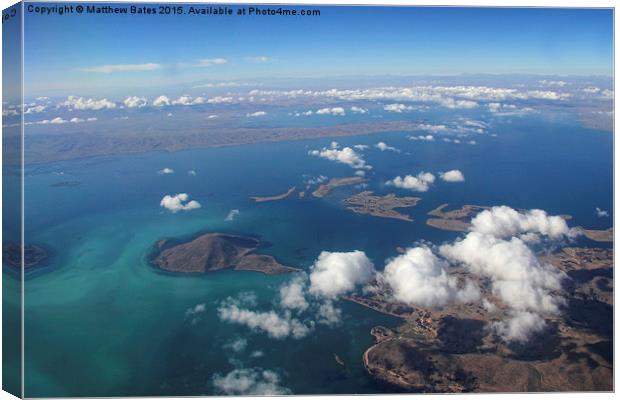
276	326
188	101
237	345
83	103
419	183
520	326
358	110
292	295
419	277
601	213
398	108
508	109
220	100
384	147
108	69
135	102
249	382
336	273
34	109
331	111
328	314
165	171
178	202
452	176
503	221
232	214
256	114
161	101
424	138
208	62
346	156
519	278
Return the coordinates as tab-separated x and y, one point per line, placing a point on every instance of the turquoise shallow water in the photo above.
101	322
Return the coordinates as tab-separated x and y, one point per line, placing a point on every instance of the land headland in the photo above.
380	206
324	189
214	252
261	199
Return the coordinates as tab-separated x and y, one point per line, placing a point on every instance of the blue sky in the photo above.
70	52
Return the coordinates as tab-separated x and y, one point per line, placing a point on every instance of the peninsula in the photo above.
325	189
214	252
261	199
380	206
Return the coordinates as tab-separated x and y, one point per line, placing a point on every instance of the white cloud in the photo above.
424	138
346	156
178	202
503	221
335	273
107	69
331	111
418	277
161	101
452	176
419	183
508	109
398	108
232	214
328	314
197	309
212	116
191	172
256	114
34	109
238	345
188	101
208	62
249	382
276	326
358	110
76	120
520	326
165	171
135	102
601	213
292	295
82	103
361	147
384	147
518	277
220	100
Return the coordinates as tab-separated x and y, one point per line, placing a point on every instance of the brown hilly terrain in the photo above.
451	349
214	252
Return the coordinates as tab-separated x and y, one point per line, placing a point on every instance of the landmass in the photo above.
459	220
604	235
455	220
324	189
450	349
260	199
380	206
214	252
34	256
74	142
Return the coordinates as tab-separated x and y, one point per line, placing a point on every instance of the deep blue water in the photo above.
101	322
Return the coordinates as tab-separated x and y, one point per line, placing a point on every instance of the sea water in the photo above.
100	321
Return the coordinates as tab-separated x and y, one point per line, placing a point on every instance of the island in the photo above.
604	235
34	256
455	220
380	206
261	199
450	349
324	189
214	252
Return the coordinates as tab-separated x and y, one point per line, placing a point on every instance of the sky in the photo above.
64	53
